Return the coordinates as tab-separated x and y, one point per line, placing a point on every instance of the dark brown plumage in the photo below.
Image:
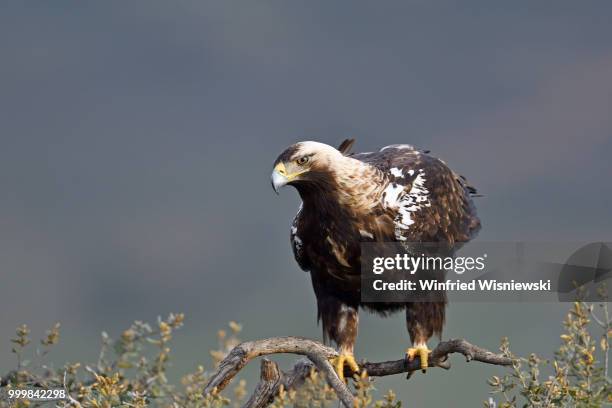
398	194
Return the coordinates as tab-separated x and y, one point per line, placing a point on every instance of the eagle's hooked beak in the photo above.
279	177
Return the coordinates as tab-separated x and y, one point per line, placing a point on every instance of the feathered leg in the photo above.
340	323
423	320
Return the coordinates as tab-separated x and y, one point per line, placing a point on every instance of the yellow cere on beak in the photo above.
280	176
280	168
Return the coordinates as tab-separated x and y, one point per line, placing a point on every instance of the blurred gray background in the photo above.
136	141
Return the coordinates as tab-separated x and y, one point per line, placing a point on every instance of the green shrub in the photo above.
574	377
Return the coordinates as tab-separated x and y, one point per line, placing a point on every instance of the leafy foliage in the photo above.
131	372
574	377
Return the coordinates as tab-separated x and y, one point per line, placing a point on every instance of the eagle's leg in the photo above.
423	319
420	350
340	323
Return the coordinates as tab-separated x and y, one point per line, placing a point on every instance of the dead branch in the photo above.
318	356
271	378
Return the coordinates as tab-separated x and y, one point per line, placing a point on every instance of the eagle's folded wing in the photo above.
431	203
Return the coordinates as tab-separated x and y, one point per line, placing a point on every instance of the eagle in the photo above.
398	194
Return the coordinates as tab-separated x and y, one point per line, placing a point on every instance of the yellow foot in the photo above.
344	358
421	351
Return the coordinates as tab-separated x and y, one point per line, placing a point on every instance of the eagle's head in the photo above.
306	165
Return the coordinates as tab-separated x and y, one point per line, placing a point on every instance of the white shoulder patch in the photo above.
396	172
406	203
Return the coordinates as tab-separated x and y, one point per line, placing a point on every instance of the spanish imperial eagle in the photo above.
398	194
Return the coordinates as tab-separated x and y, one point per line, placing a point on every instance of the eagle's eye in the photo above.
302	160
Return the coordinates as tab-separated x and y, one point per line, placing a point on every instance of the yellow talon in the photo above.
422	352
339	362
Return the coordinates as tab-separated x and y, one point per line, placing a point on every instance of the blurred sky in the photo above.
136	141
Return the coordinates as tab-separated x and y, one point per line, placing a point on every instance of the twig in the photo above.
69	397
318	357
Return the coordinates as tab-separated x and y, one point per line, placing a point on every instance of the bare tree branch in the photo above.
318	357
271	378
342	391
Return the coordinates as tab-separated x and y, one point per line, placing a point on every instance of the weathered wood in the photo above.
270	379
318	357
240	355
342	391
